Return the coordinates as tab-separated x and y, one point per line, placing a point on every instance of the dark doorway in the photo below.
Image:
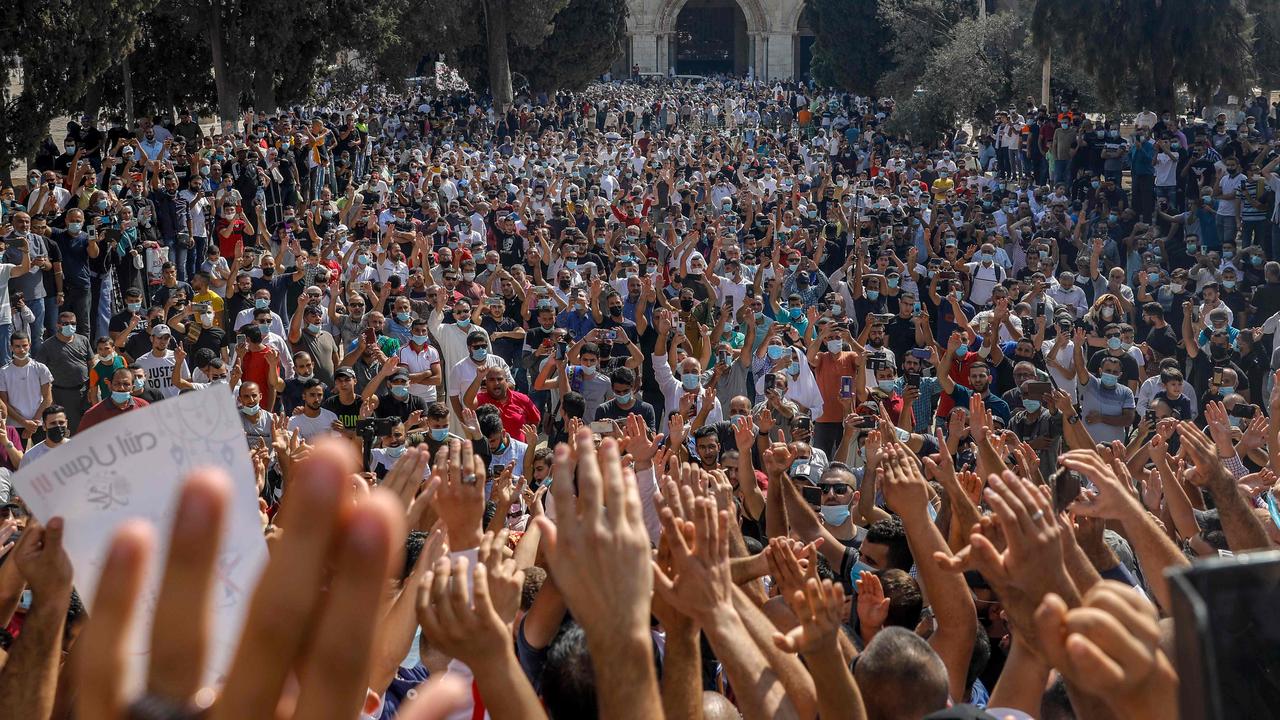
711	38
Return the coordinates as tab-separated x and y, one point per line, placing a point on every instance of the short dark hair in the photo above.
573	404
490	424
311	383
52	410
589	347
905	600
438	411
890	533
568	681
623	376
704	431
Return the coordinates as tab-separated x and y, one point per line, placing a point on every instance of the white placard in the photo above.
131	467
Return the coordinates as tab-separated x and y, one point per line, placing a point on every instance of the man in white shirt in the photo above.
312	420
26	386
261	302
1230	185
160	364
462	373
422	361
986	275
1066	293
57	431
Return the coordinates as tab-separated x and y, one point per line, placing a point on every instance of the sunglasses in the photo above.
833	488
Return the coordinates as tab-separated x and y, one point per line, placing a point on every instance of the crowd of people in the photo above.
665	398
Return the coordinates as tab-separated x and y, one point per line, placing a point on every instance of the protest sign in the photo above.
132	467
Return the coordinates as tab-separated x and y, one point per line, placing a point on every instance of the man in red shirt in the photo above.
515	408
260	363
120	401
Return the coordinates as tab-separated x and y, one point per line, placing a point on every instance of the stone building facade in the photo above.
767	39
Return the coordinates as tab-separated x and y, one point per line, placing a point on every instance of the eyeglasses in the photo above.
833	488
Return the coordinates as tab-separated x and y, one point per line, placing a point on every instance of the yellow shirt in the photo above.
215	303
942	186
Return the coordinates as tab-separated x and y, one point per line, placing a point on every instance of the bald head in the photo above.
717	707
901	676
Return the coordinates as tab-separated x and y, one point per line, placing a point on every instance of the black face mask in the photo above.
686	304
616	311
56	433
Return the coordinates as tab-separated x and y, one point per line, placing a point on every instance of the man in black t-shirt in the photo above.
1160	337
344	403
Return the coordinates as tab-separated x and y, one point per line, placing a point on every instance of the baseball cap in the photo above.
159	330
400	374
345	372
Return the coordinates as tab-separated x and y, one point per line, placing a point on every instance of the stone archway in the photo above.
707	37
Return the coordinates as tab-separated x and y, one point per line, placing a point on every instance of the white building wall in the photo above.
771	28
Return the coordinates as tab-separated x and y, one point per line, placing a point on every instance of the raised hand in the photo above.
1112	645
329	569
1112	500
873	606
819	608
702	586
638	444
459	498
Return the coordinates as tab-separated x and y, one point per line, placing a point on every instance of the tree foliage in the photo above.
980	66
919	28
851	47
587	38
61	48
1205	44
1266	41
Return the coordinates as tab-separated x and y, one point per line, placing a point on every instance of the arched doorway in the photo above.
803	46
711	38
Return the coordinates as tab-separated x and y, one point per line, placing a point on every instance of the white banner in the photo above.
131	467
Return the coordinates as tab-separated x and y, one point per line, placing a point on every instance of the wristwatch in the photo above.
1074	419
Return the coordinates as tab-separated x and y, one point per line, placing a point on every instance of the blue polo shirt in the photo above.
994	403
75	257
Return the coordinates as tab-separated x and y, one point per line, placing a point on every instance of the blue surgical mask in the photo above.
893	282
246	410
834	515
962	350
120	398
691	381
887	385
856	571
133	307
261	303
479	354
395	451
1256	260
1109	380
362	259
873	295
400	391
313	328
463	323
67	330
439	434
796	313
402	317
1226	390
774	352
794	369
1113	343
624	398
74	227
420	339
1031	406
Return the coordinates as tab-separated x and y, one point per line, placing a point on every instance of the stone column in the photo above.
645	51
781	55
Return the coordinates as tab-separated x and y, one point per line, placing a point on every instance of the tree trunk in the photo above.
1165	92
264	91
1046	71
495	14
228	90
126	81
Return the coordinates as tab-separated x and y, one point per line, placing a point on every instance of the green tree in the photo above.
587	39
851	47
60	51
918	28
1204	44
1266	44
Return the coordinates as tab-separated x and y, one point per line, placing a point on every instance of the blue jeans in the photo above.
6	331
1255	232
178	256
196	256
37	325
1227	227
1169	193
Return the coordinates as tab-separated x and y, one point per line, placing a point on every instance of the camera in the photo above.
376	426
